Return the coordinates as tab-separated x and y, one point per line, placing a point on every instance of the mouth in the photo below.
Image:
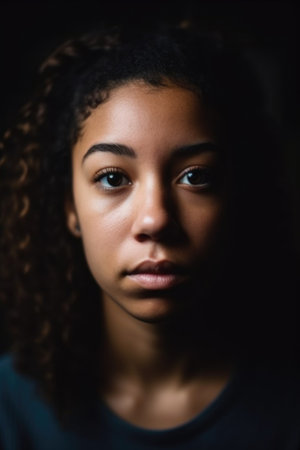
157	275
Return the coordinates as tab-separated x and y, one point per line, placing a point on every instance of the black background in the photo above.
266	31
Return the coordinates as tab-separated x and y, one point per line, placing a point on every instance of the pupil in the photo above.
196	177
114	179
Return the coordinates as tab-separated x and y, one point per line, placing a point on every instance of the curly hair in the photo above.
51	299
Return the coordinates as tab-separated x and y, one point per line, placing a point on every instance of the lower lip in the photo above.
156	281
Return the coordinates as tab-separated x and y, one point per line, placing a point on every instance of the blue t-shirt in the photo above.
259	409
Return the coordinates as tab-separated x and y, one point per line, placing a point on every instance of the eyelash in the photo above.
206	171
100	176
105	173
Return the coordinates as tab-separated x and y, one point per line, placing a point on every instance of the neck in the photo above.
178	348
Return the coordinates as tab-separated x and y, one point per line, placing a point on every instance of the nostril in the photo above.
142	237
168	234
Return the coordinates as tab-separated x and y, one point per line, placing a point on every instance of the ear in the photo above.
72	221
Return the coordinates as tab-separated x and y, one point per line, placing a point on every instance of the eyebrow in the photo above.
116	149
124	150
195	149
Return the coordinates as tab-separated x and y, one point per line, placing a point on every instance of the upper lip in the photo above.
157	267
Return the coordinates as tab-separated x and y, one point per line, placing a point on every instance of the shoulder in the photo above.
17	392
13	384
5	363
273	391
282	374
26	420
24	417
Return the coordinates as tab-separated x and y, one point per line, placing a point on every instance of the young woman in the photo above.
144	231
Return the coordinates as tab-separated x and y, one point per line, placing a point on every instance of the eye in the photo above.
111	178
196	177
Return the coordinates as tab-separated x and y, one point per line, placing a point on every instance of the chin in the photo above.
153	310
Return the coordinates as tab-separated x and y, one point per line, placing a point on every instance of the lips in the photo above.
157	274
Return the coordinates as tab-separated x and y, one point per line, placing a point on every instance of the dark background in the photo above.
267	32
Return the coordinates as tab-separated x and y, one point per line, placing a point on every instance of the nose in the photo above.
154	214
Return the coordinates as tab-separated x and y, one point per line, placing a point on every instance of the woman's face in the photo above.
147	198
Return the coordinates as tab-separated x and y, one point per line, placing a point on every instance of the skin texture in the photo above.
154	213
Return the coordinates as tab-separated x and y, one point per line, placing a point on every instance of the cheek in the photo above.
99	243
103	230
99	216
204	223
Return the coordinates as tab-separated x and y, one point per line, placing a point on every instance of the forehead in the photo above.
137	113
